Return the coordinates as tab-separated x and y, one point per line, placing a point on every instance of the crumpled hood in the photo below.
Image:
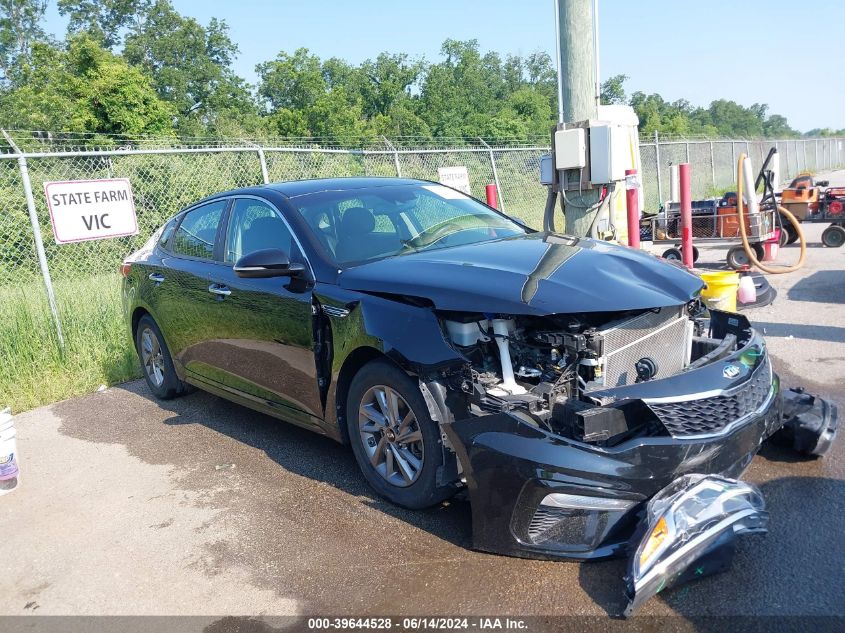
538	274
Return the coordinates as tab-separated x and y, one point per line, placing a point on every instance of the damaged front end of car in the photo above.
586	436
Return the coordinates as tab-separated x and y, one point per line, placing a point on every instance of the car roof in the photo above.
294	188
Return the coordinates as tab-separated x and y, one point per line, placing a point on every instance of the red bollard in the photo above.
686	214
632	196
492	200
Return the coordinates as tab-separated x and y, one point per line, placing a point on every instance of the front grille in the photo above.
660	335
711	415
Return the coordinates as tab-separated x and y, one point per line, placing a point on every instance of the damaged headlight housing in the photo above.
685	522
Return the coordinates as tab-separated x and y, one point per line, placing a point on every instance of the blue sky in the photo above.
780	52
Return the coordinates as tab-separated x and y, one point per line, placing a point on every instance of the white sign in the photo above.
455	177
91	209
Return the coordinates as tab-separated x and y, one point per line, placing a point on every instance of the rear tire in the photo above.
156	362
833	236
673	255
385	405
737	258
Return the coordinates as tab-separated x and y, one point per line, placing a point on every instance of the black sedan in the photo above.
577	390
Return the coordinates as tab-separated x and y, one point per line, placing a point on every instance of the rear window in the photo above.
197	232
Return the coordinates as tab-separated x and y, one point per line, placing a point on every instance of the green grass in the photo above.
98	349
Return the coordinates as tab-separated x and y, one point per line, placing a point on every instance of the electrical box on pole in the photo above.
592	144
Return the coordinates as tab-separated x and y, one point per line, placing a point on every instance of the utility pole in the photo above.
578	81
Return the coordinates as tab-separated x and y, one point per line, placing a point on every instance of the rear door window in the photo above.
198	230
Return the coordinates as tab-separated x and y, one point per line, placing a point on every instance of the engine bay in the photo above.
558	372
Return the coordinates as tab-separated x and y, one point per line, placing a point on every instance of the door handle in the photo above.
156	277
219	289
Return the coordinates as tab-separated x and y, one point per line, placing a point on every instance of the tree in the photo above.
613	90
776	126
20	26
292	82
85	88
105	20
190	64
387	79
460	93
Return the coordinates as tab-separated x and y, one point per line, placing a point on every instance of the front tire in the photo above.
156	362
395	442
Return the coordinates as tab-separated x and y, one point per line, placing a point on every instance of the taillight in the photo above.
125	268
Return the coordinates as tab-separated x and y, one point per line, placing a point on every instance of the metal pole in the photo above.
490	192
712	166
395	157
261	159
686	214
495	176
686	145
39	243
788	165
657	160
632	200
733	157
804	147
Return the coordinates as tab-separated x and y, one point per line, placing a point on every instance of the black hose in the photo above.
549	213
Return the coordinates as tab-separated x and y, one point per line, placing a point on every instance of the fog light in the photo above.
575	523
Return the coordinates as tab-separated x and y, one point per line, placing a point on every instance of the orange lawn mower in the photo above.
814	201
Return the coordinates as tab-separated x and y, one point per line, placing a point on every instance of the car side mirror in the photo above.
269	262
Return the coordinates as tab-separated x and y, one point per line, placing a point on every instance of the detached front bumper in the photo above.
538	495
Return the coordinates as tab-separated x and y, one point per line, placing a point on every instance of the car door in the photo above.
179	288
264	344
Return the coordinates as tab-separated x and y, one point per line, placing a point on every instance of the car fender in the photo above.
409	335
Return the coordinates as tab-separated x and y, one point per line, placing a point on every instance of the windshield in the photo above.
361	225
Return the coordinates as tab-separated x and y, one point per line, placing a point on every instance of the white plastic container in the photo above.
9	472
747	292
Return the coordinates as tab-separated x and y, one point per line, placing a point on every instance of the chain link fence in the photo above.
166	179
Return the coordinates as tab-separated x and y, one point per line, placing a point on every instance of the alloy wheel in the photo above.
391	436
152	357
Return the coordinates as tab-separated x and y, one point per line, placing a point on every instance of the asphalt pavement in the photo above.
128	506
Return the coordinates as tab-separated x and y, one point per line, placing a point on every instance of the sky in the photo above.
777	52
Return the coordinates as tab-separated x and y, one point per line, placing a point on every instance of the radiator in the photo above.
664	335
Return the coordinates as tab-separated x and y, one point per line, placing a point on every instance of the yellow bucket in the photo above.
721	289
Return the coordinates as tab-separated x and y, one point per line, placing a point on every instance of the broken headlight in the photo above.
693	520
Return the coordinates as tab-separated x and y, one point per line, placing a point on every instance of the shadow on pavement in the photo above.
831	333
823	286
